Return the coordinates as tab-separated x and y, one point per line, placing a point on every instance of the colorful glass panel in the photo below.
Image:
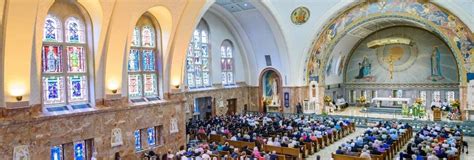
134	86
57	152
79	150
230	77
148	60
136	37
224	78
151	138
52	59
223	64
191	80
148	36
229	52
204	50
189	65
74	31
437	96
198	78
133	60
53	90
223	54
229	65
77	88
76	59
205	79
204	36
150	87
52	30
138	143
205	64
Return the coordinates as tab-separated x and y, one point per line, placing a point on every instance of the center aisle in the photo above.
326	152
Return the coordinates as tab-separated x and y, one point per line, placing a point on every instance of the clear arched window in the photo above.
142	62
64	64
227	63
198	58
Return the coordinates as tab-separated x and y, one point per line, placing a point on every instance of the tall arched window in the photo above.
227	63
198	58
65	84
142	62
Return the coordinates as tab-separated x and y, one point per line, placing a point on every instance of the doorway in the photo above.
203	108
231	106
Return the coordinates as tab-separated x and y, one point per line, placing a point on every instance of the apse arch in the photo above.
433	17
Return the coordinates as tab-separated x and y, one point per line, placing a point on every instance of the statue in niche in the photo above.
275	98
436	73
174	125
116	138
21	153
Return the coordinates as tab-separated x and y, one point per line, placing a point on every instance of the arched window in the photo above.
65	80
227	62
142	62
198	59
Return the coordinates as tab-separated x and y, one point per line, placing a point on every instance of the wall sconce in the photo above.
113	86
17	92
175	83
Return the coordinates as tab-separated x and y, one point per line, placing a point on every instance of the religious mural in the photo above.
420	61
450	27
270	82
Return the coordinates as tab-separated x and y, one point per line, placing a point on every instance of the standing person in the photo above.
117	156
298	108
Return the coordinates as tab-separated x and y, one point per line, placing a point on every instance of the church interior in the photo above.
236	79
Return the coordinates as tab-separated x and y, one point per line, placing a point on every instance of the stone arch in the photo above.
260	87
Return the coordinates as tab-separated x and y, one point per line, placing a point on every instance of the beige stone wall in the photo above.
41	132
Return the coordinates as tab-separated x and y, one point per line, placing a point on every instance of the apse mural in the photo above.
451	29
270	82
419	61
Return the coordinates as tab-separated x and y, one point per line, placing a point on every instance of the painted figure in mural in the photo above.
390	61
364	68
53	60
329	67
435	62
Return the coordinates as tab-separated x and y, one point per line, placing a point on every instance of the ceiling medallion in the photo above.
300	15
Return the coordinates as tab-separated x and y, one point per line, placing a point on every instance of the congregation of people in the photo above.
261	129
435	142
375	140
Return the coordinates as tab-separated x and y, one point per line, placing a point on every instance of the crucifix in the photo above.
390	61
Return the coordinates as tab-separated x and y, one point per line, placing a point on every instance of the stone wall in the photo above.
40	132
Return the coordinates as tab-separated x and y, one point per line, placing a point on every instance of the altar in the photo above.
380	100
273	108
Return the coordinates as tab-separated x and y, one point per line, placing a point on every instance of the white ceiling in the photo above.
235	5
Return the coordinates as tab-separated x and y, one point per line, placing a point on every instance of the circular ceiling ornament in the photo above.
300	15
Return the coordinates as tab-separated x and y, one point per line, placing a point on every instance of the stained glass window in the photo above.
57	152
136	37
142	62
227	63
134	85
52	59
76	59
77	88
74	30
138	143
79	150
53	90
198	59
436	96
148	36
64	62
52	29
151	136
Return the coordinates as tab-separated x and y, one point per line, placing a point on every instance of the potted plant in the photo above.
362	101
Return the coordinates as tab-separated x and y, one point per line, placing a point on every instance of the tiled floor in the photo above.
326	152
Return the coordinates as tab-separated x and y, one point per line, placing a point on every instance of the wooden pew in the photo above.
345	157
216	138
294	152
241	144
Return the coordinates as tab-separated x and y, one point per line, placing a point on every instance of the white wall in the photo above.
218	33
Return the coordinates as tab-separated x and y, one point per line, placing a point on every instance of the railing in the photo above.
364	122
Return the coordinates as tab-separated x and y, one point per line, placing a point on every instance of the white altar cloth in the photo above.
379	99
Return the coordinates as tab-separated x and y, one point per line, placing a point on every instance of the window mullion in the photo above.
65	72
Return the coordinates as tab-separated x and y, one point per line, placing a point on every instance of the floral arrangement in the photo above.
455	103
362	99
327	99
419	101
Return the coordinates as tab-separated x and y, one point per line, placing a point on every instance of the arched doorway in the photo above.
270	91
